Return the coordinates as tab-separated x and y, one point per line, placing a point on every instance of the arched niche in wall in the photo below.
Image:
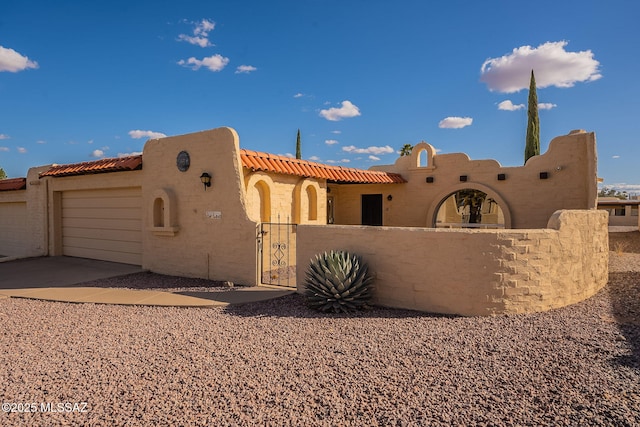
306	202
422	156
469	205
259	187
162	215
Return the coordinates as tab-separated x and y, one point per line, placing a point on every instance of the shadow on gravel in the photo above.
624	292
295	306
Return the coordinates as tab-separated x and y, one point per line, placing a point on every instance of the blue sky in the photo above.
81	80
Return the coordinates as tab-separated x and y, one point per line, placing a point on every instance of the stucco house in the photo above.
442	232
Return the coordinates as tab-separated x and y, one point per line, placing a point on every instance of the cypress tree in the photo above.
298	151
532	146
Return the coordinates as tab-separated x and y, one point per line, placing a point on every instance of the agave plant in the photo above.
338	281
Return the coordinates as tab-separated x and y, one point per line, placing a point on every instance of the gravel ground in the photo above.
278	363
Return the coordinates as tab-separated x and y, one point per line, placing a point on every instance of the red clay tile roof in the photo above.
258	161
118	164
254	160
13	184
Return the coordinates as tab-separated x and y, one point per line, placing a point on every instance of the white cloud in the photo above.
133	153
337	132
330	142
347	110
200	41
455	122
550	62
200	34
90	141
213	63
546	106
22	150
615	157
338	161
298	95
623	186
12	61
369	150
509	106
3	136
246	69
41	141
97	153
5	149
374	158
314	158
137	134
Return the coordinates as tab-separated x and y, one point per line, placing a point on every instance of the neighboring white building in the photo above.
621	212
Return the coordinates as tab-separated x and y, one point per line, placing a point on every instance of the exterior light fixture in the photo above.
502	177
429	179
463	178
389	197
206	180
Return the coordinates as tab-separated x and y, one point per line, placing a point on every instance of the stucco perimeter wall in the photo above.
197	232
23	219
527	201
474	272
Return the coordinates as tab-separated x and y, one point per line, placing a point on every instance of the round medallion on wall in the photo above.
183	161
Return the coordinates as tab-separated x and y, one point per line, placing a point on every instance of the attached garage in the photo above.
13	229
103	224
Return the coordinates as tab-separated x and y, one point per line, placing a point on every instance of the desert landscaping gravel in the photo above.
277	363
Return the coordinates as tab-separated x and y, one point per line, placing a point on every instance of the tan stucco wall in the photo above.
288	198
526	200
474	272
211	235
31	239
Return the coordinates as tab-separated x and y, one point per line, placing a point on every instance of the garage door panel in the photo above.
13	229
102	202
103	224
95	233
102	213
107	245
122	257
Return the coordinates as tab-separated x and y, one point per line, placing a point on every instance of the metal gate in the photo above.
277	253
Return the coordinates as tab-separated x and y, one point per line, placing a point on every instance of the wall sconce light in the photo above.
205	178
502	177
429	179
463	178
389	197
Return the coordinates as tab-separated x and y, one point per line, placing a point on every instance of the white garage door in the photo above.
103	224
13	229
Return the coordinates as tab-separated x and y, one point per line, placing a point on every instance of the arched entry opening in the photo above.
469	208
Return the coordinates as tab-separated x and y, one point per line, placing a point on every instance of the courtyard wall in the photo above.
474	272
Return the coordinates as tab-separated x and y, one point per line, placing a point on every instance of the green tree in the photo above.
406	150
3	175
298	150
610	192
532	146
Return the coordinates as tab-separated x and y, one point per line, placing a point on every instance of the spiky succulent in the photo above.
338	281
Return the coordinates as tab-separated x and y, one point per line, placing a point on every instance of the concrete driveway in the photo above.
61	278
46	272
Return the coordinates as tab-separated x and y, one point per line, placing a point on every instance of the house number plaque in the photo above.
183	161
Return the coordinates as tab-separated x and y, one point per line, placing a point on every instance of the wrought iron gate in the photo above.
277	253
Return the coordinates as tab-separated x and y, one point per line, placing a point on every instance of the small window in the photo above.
619	211
634	211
